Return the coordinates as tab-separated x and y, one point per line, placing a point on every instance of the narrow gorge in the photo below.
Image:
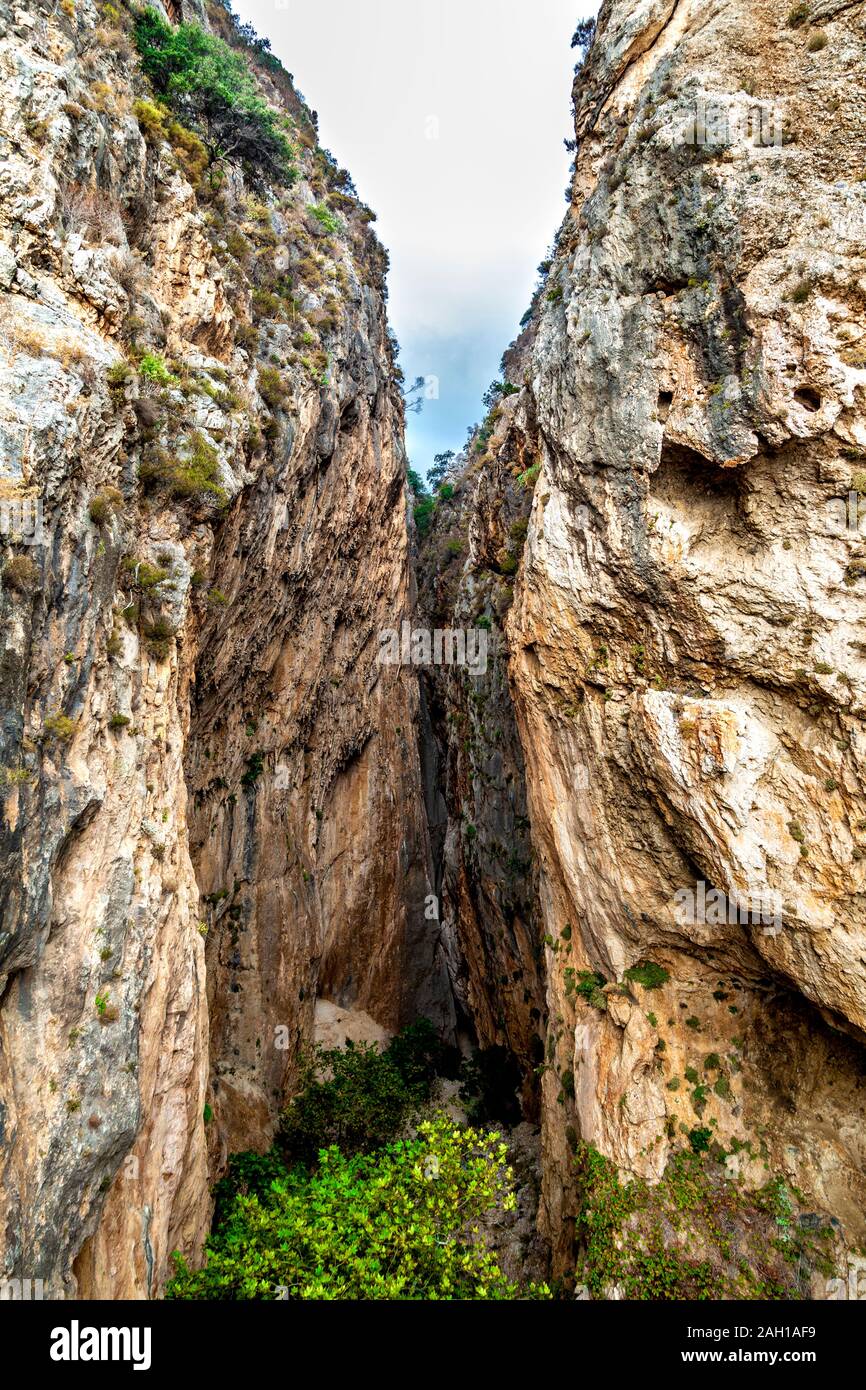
618	865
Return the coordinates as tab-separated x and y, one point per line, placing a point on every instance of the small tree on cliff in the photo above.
213	91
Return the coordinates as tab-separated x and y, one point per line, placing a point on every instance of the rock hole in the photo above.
809	398
666	400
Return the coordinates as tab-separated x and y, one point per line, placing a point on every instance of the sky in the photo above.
450	116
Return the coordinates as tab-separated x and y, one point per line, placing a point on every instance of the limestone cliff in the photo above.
685	665
212	799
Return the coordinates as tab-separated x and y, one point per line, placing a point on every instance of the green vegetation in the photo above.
59	726
105	505
648	974
255	768
423	514
695	1235
118	376
272	388
325	217
391	1225
588	985
144	575
360	1097
159	635
154	369
530	477
195	475
382	1216
212	90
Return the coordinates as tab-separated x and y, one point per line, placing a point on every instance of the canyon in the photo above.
230	827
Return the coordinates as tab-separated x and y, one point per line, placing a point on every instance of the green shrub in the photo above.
445	493
272	388
118	721
423	514
151	117
648	974
144	575
693	1235
154	369
59	726
195	474
415	483
359	1097
118	375
211	88
394	1225
798	16
530	477
588	985
159	634
325	218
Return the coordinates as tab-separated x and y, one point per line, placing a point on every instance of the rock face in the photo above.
686	672
212	800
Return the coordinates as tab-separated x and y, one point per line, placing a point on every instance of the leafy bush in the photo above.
212	89
694	1235
423	514
360	1097
118	376
325	218
648	974
144	575
530	477
154	369
394	1225
151	117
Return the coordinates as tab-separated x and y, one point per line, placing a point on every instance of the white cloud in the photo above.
466	216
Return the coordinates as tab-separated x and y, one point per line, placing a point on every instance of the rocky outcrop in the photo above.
212	802
685	669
